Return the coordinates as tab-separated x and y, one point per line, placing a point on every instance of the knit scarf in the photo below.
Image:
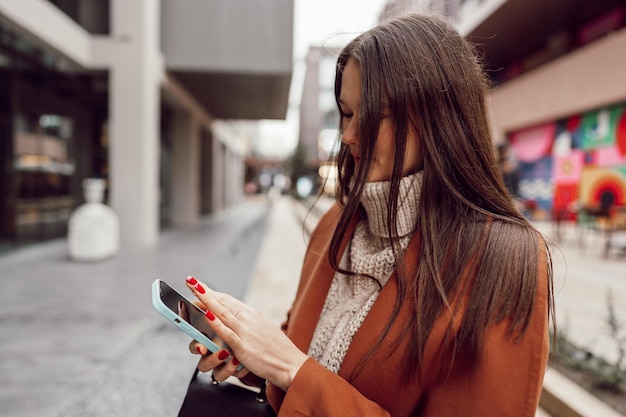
369	252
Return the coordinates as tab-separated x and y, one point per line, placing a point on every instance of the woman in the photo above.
424	291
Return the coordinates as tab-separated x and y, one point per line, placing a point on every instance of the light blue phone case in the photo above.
177	320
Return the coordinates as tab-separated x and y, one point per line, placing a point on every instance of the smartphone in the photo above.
184	314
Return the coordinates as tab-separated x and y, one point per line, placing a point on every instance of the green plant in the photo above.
615	374
607	375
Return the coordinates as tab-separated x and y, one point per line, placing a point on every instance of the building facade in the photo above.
319	118
138	93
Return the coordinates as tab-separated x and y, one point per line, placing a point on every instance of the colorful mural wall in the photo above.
579	161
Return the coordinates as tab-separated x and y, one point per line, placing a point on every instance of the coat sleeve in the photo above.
318	392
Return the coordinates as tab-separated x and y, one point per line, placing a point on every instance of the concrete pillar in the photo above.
134	142
228	180
239	170
185	169
234	178
217	177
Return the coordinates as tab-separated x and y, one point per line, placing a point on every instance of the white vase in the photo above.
93	230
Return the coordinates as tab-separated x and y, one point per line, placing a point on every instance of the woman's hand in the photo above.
257	343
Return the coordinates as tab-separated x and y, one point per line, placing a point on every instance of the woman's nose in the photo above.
350	134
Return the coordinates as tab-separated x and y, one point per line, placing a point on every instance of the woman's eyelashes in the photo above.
346	118
344	112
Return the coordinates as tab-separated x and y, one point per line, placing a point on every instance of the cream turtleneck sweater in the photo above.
350	298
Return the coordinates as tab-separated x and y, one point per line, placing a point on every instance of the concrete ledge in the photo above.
561	397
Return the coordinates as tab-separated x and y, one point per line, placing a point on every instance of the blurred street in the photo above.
83	339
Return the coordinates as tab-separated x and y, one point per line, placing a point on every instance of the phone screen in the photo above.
185	309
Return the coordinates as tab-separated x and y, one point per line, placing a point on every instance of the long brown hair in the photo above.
422	73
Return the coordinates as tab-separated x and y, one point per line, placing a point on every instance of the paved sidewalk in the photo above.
82	339
275	276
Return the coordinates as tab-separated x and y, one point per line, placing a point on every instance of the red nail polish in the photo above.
235	361
200	289
223	354
209	315
199	350
192	280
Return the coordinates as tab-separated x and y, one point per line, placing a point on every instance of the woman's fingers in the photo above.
224	306
214	360
259	344
221	305
198	348
228	369
221	362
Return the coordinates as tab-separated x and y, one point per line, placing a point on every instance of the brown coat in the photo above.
506	382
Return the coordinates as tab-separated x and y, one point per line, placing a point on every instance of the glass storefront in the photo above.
43	163
52	135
